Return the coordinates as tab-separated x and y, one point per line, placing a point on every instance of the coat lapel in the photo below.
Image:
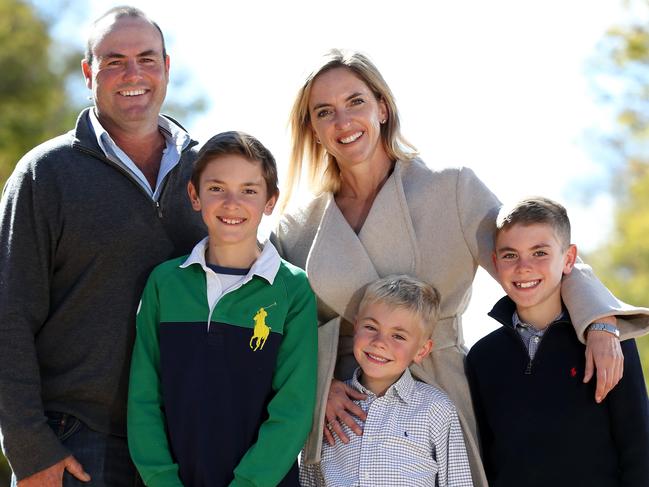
338	266
388	235
341	263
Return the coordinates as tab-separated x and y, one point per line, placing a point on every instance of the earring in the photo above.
383	121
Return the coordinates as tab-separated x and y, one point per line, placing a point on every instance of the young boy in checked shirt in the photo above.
412	435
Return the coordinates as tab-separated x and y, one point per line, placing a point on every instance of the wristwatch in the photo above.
612	329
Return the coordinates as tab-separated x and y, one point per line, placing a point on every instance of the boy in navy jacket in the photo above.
538	422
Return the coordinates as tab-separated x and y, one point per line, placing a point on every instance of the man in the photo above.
83	219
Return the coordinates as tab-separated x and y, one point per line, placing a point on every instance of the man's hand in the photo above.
603	352
53	476
340	408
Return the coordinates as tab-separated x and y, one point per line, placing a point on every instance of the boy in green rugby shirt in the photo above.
223	372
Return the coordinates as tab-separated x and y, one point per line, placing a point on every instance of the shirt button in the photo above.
536	339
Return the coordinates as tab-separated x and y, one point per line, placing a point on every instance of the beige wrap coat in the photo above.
437	226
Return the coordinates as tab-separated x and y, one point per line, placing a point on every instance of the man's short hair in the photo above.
536	209
241	144
409	293
118	13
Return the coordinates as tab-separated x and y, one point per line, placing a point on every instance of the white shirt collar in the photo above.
266	265
402	388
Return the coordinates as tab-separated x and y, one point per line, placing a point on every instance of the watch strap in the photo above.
607	327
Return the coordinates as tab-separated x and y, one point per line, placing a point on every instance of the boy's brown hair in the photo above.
242	144
536	209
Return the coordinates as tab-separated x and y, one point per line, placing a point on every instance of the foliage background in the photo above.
41	94
620	75
33	96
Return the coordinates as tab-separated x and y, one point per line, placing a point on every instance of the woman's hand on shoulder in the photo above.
603	356
341	408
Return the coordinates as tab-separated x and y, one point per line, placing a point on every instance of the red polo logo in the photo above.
573	372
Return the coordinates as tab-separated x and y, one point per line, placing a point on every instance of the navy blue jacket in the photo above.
539	423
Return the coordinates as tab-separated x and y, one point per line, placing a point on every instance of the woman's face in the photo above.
346	118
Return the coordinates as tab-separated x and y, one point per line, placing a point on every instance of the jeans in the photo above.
104	457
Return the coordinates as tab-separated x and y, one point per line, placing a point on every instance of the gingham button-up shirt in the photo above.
412	437
531	336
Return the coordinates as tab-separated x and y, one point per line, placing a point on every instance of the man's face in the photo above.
129	75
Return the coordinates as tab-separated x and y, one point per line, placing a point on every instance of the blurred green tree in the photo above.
622	81
33	99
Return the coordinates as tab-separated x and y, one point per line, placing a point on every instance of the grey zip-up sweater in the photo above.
78	238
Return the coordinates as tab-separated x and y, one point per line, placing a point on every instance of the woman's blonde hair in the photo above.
323	172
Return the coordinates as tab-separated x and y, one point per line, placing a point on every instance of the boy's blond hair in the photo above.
405	292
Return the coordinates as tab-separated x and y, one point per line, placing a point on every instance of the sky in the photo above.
499	86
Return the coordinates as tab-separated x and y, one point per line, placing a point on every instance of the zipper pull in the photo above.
528	369
158	209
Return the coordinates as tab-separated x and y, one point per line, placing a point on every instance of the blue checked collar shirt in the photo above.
176	140
531	336
412	437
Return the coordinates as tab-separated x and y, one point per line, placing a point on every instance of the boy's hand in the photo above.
53	476
604	353
340	408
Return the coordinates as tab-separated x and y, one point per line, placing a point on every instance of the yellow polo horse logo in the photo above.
261	331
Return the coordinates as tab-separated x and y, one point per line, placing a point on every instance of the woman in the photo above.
379	210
